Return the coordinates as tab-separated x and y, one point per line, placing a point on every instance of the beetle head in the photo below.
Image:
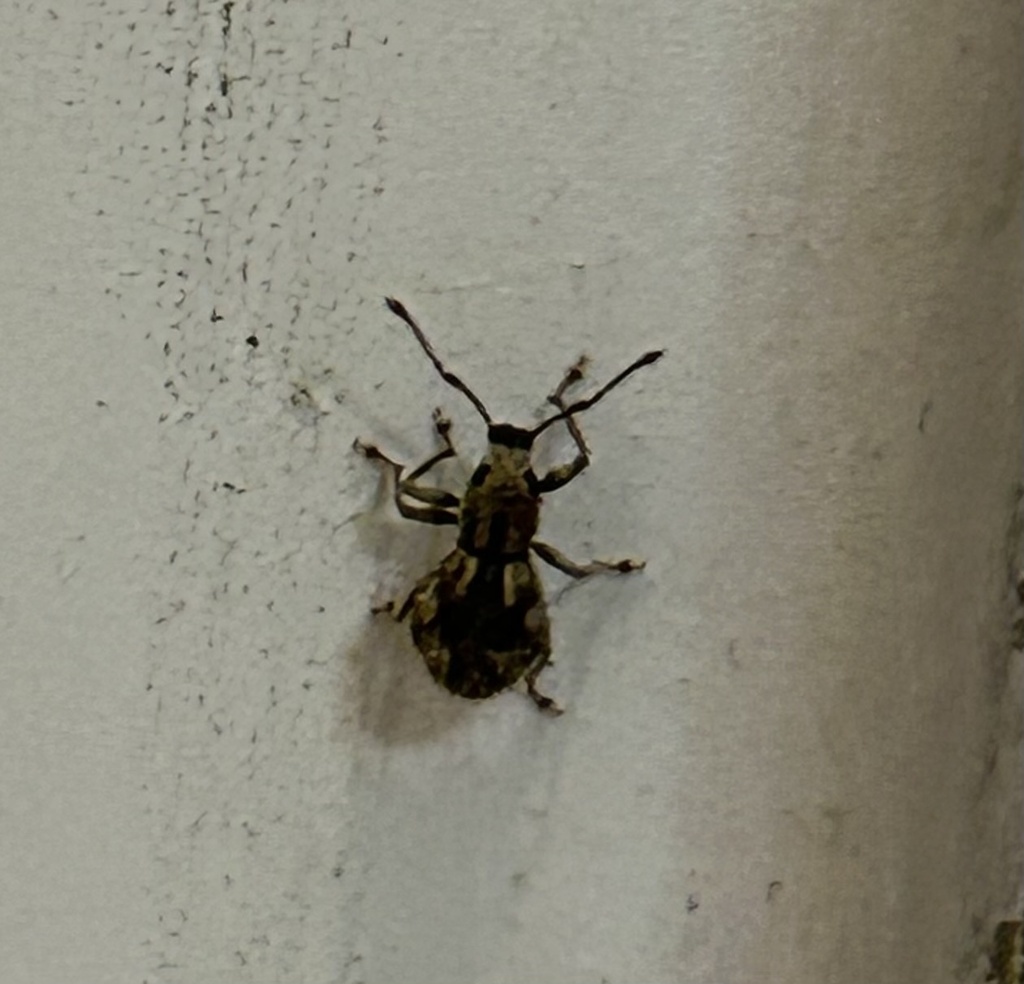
510	436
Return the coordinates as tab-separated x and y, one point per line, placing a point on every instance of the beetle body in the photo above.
479	619
480	624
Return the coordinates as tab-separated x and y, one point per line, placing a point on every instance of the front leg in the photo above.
564	474
558	559
443	426
441	507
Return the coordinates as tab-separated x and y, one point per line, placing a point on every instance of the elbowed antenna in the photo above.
581	405
397	307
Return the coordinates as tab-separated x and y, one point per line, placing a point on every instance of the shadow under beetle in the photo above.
480	619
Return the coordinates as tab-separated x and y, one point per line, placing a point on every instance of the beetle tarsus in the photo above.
543	702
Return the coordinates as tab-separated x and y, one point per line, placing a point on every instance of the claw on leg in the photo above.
442	424
374	453
543	702
388	608
573	375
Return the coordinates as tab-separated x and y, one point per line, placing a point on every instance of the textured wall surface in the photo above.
790	751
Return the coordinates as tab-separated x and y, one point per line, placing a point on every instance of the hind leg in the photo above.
543	702
388	608
558	560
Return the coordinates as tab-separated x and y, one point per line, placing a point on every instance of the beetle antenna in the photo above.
580	405
397	307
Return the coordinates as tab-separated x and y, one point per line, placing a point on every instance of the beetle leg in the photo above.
443	426
543	702
434	515
558	559
388	608
572	376
434	497
564	474
439	503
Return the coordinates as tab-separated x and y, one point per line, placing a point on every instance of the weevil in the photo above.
479	619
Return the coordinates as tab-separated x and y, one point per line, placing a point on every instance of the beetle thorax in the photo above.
501	508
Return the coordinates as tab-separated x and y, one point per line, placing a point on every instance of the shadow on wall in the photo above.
386	689
384	686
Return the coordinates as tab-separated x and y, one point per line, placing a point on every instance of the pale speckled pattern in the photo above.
790	753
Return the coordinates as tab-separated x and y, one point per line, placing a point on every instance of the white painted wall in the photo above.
791	746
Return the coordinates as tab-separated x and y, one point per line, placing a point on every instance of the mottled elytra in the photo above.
480	619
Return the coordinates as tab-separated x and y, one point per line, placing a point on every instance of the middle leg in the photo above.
558	560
